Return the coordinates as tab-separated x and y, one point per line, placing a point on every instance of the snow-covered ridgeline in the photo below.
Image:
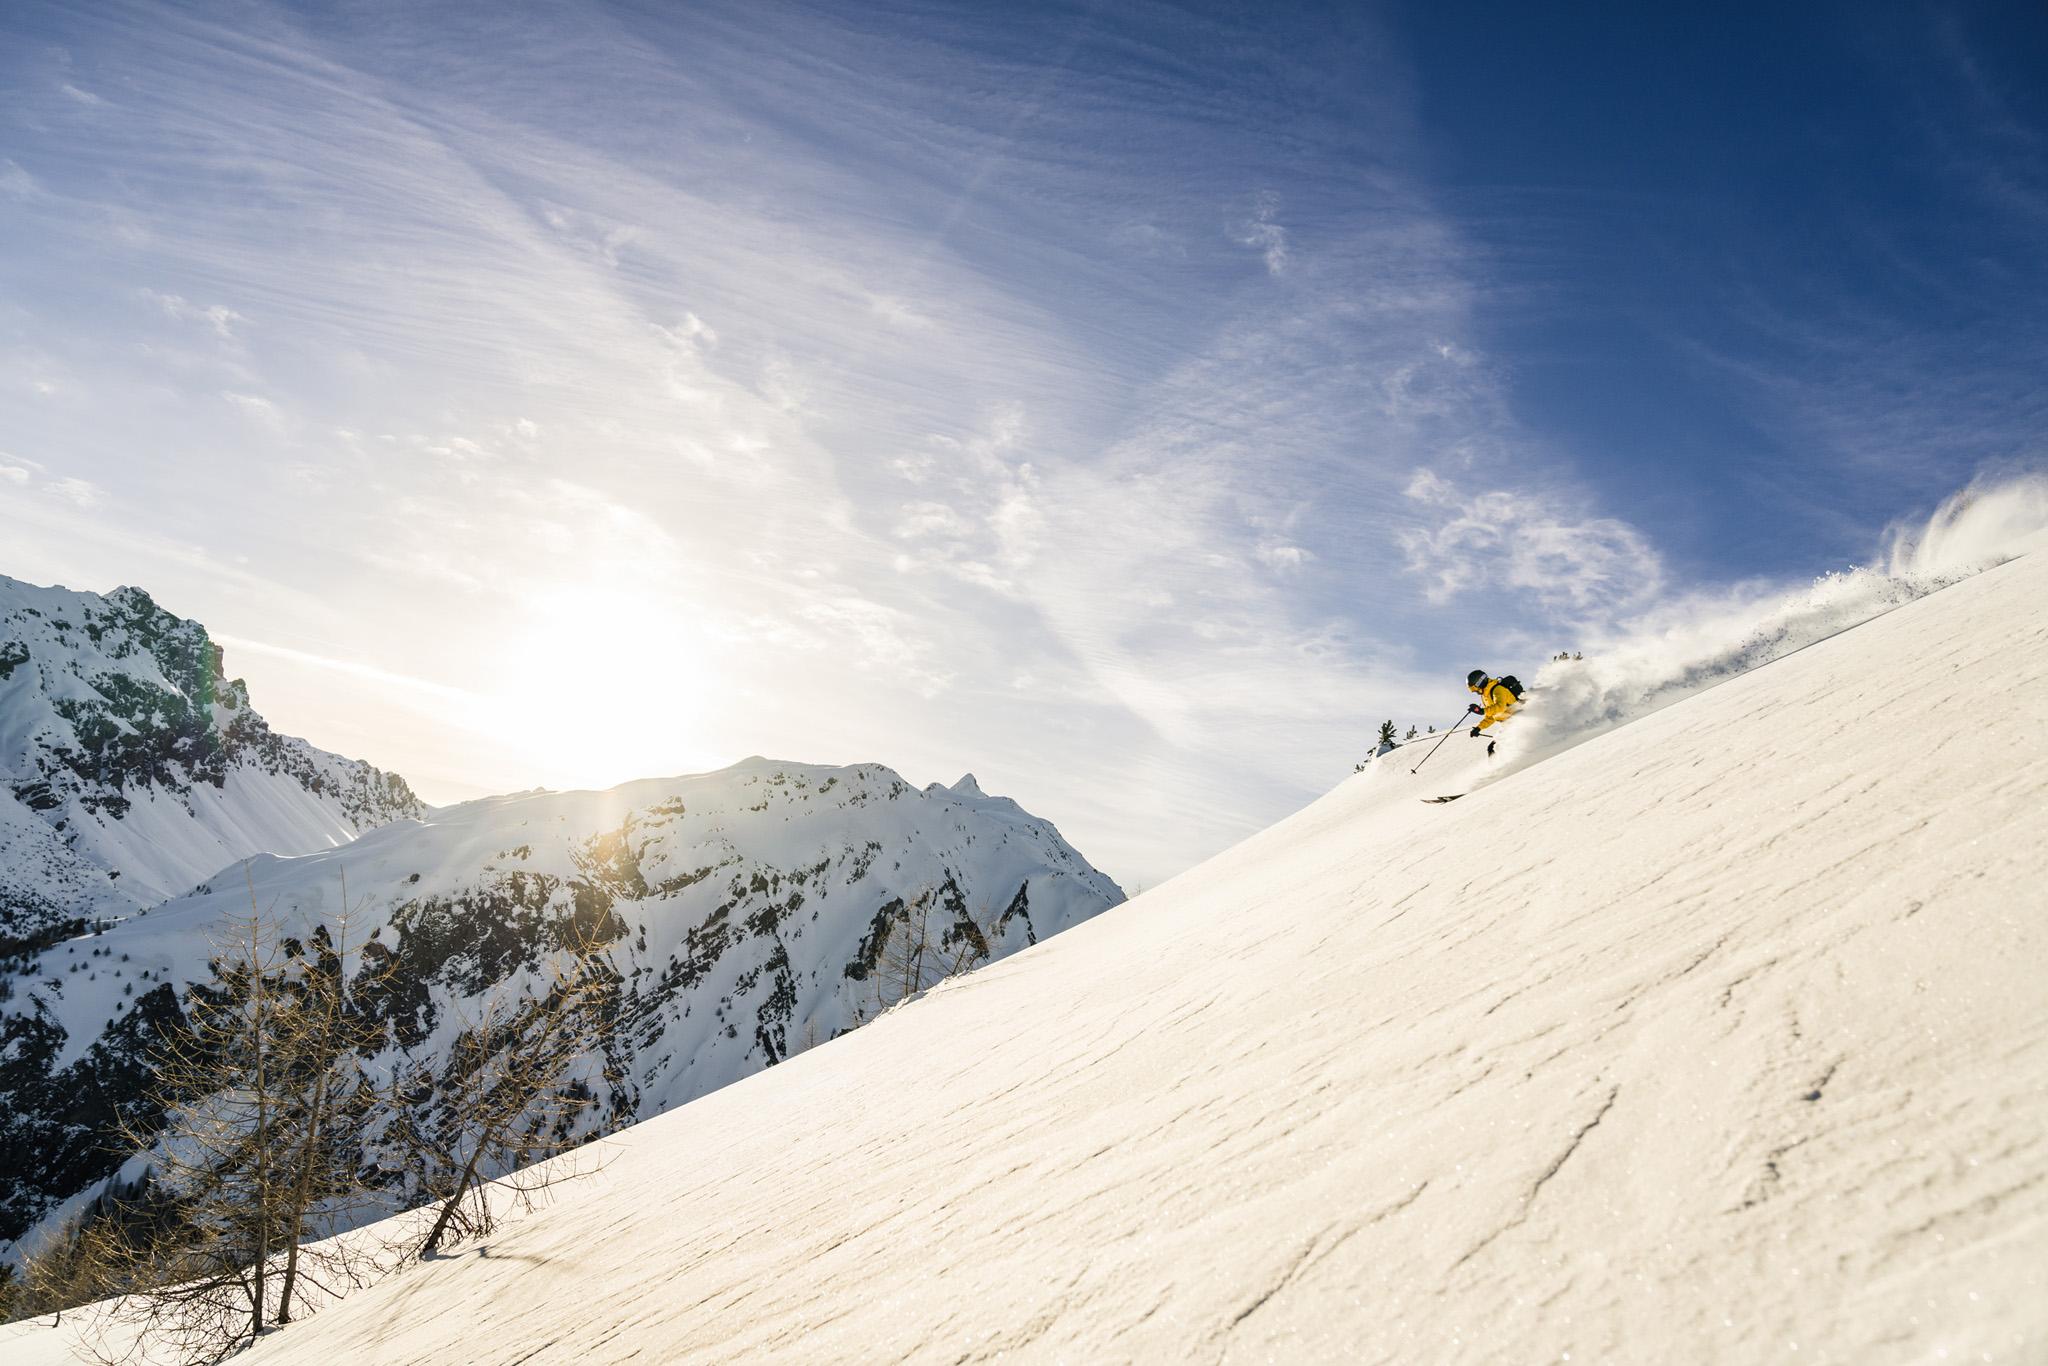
131	766
751	908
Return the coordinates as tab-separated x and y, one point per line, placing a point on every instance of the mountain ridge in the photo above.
132	766
750	909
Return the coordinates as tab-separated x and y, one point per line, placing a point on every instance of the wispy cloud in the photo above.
259	412
1499	543
1282	557
82	493
219	317
1262	232
460	700
867	420
15	181
23	473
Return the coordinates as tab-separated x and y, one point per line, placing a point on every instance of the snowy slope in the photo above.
1717	1038
131	766
750	908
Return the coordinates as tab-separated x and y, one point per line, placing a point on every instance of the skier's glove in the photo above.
1472	710
1475	732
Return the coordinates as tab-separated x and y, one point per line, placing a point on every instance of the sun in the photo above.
599	683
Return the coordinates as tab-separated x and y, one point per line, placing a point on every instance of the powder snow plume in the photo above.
1692	643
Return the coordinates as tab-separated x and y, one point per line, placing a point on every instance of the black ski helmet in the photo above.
1475	678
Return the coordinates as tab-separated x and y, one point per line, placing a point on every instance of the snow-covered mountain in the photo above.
1716	1038
131	766
747	910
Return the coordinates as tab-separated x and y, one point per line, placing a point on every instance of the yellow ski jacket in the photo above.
1498	701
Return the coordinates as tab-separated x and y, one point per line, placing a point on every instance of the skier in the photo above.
1500	697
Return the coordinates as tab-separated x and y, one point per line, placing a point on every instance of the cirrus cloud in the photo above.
1585	567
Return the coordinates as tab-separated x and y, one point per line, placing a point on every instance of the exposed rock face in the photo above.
131	766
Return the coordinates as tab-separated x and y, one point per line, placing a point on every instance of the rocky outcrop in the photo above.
132	766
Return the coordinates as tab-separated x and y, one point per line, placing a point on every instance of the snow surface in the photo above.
1719	1037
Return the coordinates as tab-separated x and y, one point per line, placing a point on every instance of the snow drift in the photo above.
1716	1038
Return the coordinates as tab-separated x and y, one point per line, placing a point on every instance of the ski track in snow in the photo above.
1716	1038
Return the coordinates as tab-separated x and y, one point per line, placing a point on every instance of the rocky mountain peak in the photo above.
131	765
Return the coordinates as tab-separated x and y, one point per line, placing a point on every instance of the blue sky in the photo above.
1132	404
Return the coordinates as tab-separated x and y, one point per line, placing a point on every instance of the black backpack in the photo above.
1512	684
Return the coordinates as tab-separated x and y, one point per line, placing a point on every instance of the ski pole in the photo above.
1448	733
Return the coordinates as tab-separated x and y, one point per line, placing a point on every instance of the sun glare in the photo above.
599	684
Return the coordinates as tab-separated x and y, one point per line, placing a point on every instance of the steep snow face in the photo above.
1717	1038
751	914
131	766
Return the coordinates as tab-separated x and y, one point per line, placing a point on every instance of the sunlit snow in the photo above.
1714	1038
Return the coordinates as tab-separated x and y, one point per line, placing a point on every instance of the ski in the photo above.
1438	801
